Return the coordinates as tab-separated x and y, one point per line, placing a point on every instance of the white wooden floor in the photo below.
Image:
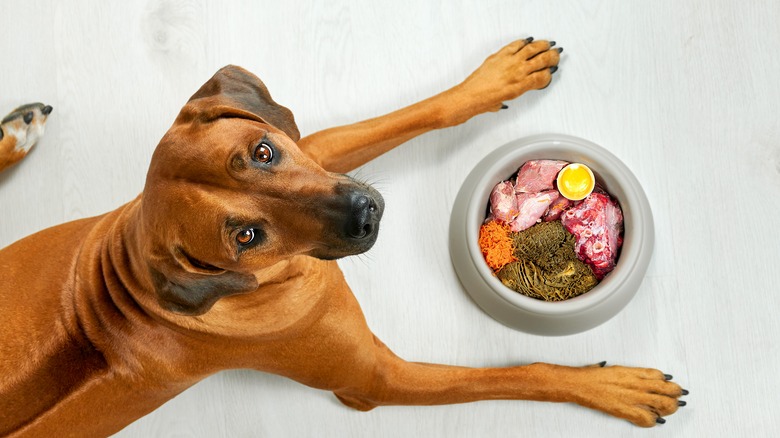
685	93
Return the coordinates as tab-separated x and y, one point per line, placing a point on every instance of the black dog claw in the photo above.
553	69
559	49
603	363
552	43
660	420
681	403
504	106
685	392
668	377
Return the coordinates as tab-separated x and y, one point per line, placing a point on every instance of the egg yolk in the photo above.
576	181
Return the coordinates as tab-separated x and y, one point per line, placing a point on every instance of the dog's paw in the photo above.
642	396
520	66
26	124
20	131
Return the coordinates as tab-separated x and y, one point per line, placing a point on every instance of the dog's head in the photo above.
229	193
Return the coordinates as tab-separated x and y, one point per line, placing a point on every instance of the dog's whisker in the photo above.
366	258
357	174
377	180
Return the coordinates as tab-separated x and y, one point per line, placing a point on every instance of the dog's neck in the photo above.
87	337
109	283
122	294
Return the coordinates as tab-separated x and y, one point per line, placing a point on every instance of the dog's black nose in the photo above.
363	216
47	110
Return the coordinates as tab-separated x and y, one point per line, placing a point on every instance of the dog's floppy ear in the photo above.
191	288
235	92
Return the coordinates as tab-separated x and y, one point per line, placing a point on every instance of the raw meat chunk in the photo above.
555	209
503	202
596	223
531	207
538	175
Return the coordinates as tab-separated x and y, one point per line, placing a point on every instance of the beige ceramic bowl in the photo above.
528	314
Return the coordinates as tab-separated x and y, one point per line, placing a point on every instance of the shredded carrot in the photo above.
496	245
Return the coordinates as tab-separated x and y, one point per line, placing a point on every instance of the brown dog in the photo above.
20	130
226	260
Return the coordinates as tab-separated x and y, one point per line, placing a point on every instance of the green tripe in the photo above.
547	268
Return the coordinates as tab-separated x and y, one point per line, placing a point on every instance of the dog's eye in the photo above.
245	237
263	153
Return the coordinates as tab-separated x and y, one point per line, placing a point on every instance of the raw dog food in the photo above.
560	248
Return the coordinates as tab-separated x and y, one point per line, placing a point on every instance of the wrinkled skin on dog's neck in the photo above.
133	294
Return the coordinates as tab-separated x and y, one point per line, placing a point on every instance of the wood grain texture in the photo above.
685	93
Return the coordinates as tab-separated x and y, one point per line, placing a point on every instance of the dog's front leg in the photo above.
519	67
642	396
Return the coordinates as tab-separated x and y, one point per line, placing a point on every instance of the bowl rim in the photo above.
607	167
